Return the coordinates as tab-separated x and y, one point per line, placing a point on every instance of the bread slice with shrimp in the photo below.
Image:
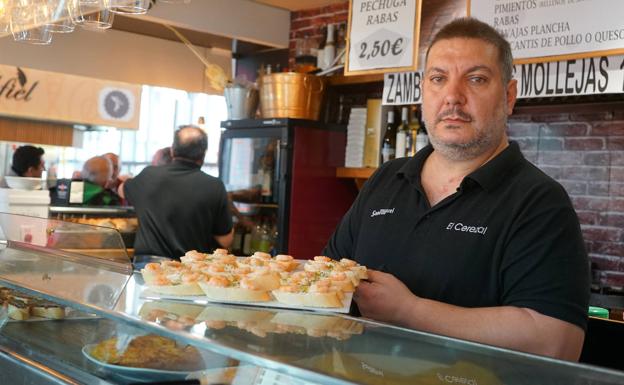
177	283
47	309
153	270
318	294
18	310
283	262
327	266
234	288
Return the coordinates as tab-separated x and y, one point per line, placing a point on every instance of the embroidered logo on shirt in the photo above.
452	226
382	212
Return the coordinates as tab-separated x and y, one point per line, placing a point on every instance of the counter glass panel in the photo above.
262	343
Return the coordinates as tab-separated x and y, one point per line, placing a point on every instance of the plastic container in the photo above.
598	312
24	183
291	95
34	203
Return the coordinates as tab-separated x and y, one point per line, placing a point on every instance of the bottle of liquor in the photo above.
254	243
422	139
305	60
237	242
388	146
414	126
264	241
401	135
341	33
266	191
247	243
330	48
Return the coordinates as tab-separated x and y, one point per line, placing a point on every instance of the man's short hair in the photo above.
470	28
25	157
93	171
162	156
190	142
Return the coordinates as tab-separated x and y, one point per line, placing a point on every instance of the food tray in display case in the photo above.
122	219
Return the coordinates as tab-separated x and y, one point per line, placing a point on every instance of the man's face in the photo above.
465	104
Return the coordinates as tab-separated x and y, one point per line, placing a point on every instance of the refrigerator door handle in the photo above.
278	158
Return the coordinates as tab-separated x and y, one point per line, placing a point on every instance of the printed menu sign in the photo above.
586	76
383	36
560	28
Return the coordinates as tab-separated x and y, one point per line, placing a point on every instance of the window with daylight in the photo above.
162	111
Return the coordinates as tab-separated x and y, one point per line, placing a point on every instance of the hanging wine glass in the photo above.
28	21
61	19
132	7
91	14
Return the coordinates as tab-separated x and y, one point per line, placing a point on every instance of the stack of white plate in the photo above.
356	133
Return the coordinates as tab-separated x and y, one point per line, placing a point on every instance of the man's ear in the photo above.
30	171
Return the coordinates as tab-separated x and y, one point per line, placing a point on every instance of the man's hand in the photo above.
383	297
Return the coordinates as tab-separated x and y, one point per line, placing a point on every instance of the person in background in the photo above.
179	207
467	238
116	179
162	157
28	161
114	160
96	174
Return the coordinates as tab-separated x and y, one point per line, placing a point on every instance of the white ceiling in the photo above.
297	5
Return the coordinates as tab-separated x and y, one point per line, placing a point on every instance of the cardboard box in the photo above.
372	142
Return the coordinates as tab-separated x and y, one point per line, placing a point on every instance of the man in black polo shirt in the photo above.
179	207
469	239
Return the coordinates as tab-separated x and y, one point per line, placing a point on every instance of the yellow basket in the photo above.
291	95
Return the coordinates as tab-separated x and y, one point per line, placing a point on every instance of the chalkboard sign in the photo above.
544	30
383	36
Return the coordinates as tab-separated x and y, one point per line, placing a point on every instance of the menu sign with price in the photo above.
383	36
561	29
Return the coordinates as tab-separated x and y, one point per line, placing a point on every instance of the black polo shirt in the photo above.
179	207
508	236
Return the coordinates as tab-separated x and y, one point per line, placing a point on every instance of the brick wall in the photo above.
582	146
311	21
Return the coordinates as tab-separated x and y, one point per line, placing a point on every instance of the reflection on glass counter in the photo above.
74	262
120	218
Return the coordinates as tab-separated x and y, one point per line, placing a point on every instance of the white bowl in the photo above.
24	183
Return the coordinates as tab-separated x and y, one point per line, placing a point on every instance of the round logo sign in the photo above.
116	104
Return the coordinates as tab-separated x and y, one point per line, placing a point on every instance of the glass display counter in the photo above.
110	334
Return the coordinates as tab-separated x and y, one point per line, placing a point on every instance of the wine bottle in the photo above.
414	126
401	135
388	146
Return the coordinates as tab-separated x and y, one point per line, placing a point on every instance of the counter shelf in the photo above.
99	210
323	348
